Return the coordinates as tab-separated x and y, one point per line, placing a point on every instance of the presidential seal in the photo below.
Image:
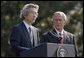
62	52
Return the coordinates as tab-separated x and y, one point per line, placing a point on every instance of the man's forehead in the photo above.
33	9
57	15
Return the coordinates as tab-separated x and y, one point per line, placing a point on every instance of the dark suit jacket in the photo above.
53	38
20	39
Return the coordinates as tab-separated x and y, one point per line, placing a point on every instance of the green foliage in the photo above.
10	11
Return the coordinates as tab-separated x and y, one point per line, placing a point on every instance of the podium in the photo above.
50	50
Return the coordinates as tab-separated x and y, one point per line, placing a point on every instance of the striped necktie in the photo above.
31	36
29	30
61	41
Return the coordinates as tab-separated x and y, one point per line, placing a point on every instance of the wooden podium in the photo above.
50	50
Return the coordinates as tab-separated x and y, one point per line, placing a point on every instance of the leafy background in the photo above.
10	11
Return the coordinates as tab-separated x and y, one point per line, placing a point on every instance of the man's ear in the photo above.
65	22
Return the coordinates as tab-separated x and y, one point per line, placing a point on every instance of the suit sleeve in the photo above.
75	46
38	37
15	40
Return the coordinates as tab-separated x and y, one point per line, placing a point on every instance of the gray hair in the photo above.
62	14
25	9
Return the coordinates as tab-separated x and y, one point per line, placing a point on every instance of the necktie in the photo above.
29	30
31	36
61	41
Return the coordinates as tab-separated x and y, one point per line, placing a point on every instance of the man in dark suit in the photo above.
24	36
58	34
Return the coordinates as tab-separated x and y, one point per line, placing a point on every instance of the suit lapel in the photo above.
25	32
65	37
53	36
54	33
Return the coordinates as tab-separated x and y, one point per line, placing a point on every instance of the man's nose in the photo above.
58	21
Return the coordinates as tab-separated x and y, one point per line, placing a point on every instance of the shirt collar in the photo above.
26	24
58	31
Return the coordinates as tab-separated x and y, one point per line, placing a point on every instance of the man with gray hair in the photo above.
24	36
58	34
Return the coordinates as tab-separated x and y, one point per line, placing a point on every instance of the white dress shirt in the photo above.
59	32
27	25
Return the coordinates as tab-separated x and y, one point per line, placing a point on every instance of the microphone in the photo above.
60	38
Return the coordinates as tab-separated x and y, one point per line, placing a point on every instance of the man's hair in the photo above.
62	14
26	8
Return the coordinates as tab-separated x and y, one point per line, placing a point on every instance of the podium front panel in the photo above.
52	49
